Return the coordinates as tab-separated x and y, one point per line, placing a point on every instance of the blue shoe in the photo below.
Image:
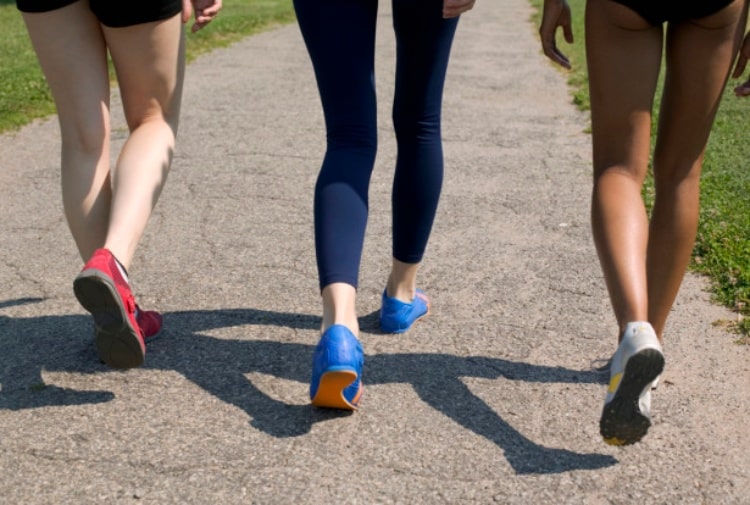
337	370
397	316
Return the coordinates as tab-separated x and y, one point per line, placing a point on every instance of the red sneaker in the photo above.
102	290
149	321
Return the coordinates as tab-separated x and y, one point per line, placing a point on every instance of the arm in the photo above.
556	14
205	11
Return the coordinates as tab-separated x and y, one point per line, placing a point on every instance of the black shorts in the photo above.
657	12
113	13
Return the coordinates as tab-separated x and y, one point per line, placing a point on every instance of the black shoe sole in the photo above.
622	422
117	342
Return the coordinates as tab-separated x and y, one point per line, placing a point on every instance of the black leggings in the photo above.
340	37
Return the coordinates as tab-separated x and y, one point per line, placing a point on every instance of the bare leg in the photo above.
402	282
78	78
150	66
622	88
149	60
699	56
339	306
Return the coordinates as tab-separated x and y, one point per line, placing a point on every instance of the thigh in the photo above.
72	53
423	45
340	38
624	58
149	59
699	57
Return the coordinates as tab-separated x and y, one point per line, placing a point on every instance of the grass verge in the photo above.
24	94
722	249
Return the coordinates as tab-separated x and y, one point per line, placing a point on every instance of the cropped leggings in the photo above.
340	37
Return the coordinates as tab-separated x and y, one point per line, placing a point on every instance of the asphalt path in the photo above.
492	399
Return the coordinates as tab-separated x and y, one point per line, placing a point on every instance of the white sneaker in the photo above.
635	367
656	383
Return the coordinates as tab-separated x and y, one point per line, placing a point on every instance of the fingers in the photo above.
743	89
739	68
453	8
209	8
187	11
742	57
568	33
205	12
553	53
556	14
561	59
549	47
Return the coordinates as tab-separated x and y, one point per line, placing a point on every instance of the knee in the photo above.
361	140
683	180
88	137
155	118
416	126
626	159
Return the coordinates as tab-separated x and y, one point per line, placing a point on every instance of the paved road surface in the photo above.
491	400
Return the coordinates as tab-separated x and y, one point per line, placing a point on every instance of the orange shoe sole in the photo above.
330	392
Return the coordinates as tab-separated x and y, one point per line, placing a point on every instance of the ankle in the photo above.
339	307
404	293
351	326
402	281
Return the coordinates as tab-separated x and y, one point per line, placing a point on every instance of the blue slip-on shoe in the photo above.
337	370
397	316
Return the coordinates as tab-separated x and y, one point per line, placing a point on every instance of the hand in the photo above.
205	11
452	8
744	55
556	13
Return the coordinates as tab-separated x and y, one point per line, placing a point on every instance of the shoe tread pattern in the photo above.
622	422
117	343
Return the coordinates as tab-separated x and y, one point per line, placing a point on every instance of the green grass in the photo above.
722	249
24	94
23	91
238	19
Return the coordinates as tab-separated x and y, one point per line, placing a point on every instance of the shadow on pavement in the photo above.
219	366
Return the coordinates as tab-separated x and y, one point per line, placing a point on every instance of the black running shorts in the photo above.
113	13
657	12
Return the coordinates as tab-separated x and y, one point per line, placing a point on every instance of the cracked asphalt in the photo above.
492	399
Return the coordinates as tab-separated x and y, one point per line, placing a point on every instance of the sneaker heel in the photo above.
337	370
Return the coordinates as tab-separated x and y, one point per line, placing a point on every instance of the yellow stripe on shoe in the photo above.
614	383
